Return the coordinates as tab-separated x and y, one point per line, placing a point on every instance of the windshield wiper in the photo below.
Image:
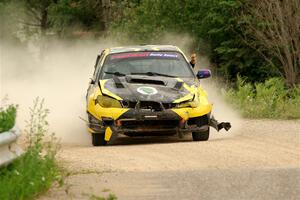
154	74
115	73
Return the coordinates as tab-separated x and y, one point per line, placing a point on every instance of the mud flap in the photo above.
218	126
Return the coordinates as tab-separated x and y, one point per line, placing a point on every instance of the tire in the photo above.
203	135
98	139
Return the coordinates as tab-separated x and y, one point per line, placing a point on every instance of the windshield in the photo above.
170	64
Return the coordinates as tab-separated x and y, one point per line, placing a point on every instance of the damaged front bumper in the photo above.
143	123
218	126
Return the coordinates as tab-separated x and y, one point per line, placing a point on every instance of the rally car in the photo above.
147	90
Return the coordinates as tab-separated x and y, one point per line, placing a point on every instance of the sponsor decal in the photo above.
147	90
144	54
166	55
130	55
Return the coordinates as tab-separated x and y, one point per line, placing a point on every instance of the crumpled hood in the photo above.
148	88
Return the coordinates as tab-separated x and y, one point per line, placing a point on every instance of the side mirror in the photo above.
204	73
92	81
97	60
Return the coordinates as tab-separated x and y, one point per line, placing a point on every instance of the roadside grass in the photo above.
37	169
7	117
271	99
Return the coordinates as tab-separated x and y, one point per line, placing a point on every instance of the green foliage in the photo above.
36	170
270	99
67	13
8	16
214	23
7	117
218	27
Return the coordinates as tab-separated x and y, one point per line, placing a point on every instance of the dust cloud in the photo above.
62	77
222	111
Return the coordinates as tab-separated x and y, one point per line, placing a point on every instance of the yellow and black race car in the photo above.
147	90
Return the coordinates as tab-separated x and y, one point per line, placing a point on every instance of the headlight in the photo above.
183	105
108	102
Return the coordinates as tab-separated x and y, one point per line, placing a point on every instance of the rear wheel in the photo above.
98	139
201	135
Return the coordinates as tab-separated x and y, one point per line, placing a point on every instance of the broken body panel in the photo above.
147	104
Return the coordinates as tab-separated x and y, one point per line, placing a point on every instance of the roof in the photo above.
143	48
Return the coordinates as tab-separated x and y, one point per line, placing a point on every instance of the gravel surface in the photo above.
260	160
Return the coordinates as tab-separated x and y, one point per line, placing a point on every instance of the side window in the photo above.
97	65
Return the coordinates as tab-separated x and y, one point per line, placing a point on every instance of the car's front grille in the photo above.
149	105
146	124
129	104
169	105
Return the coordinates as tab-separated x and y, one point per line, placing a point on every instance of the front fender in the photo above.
98	112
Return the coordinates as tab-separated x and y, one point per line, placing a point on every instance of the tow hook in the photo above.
218	126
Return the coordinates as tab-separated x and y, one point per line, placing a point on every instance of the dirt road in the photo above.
261	160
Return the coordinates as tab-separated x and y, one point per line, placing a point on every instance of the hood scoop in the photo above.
118	82
144	81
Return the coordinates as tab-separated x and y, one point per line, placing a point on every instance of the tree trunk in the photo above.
44	25
275	27
106	8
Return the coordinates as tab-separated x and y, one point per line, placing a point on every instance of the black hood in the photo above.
148	88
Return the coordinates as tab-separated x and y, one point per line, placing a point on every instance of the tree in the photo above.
38	11
274	29
83	16
214	25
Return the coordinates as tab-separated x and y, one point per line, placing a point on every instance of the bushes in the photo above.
37	169
215	25
7	117
270	99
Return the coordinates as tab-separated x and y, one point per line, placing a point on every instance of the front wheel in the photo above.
201	136
98	139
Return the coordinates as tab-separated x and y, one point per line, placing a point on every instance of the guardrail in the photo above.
9	150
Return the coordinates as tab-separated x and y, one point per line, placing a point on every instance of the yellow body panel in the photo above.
107	92
203	108
91	130
185	98
106	52
97	111
192	90
187	113
108	133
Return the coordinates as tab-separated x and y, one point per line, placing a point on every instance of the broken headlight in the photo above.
107	102
187	105
192	103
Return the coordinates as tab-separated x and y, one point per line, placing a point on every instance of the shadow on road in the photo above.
124	140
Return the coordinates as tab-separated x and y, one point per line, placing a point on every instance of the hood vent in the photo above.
178	85
117	81
145	81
